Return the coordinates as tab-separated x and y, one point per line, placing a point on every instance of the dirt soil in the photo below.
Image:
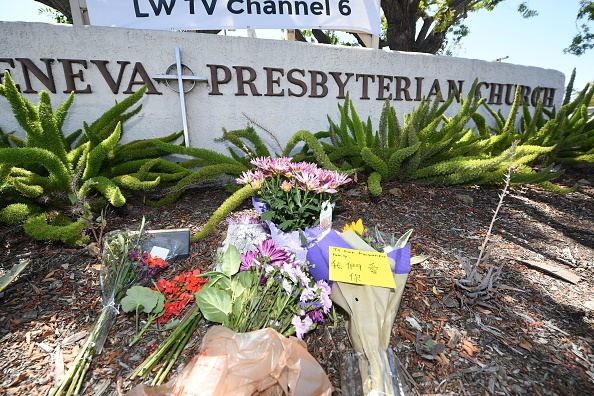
534	336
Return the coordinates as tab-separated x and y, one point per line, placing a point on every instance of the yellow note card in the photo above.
360	267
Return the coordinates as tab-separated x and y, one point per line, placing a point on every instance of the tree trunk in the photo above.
402	16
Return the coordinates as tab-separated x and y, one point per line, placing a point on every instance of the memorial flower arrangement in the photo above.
179	294
261	286
123	265
371	309
264	288
294	200
293	193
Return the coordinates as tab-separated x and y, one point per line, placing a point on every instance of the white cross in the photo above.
180	83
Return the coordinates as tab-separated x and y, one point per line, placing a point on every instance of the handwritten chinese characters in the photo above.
360	267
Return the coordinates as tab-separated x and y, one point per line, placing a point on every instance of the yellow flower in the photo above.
357	227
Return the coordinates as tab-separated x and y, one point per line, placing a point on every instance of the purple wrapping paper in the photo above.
319	254
402	258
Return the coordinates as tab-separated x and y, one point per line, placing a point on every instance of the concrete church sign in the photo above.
203	83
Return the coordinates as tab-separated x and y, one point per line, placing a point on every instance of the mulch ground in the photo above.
533	336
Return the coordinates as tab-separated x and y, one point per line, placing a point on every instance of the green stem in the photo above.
190	322
138	336
256	308
72	381
176	352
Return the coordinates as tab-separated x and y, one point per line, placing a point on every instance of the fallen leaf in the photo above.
35	288
48	277
18	379
74	338
442	359
31	348
525	344
59	365
469	347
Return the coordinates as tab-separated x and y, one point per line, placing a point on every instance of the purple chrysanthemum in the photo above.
316	316
273	254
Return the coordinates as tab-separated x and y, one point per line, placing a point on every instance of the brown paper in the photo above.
261	362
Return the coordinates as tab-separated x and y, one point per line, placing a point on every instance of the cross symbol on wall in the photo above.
180	77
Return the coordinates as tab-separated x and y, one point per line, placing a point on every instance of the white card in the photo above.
160	252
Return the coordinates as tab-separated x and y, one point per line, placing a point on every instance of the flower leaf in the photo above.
242	282
214	304
160	307
139	296
231	261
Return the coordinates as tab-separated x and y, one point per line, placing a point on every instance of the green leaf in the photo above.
418	259
231	261
172	324
403	240
140	296
242	282
218	281
13	273
268	215
160	307
214	304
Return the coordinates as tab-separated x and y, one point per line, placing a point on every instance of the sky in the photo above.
538	41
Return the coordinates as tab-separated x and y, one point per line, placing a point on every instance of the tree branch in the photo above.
320	36
61	5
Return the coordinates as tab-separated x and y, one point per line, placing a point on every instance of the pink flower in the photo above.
261	162
245	177
301	326
280	165
248	260
286	186
266	252
272	253
307	180
324	294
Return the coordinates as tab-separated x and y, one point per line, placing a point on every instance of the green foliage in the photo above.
11	275
312	143
569	132
141	299
584	39
16	213
223	211
253	148
432	148
43	169
40	227
374	184
207	174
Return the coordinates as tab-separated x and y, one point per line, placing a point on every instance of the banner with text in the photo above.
348	15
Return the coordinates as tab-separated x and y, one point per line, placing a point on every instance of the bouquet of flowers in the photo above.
261	286
264	288
372	309
124	264
294	199
177	294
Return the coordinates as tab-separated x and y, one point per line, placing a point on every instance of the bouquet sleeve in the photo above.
260	362
372	310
